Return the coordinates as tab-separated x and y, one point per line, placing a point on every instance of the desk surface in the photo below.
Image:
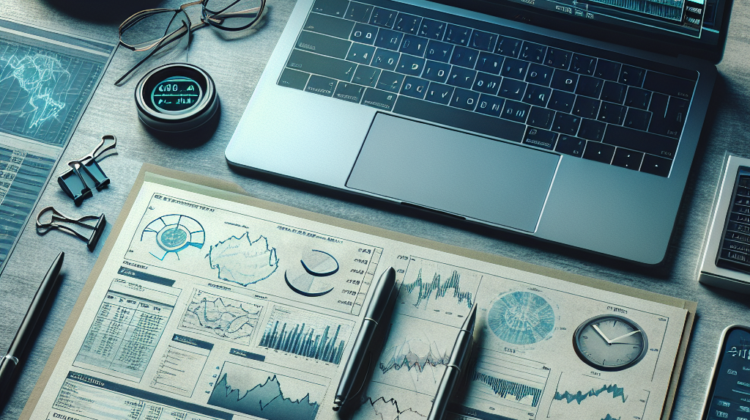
112	111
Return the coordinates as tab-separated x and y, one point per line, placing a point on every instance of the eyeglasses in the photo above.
155	30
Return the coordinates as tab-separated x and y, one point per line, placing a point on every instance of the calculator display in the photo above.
176	94
730	396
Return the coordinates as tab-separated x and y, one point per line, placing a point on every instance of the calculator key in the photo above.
670	85
561	101
390	81
439	93
324	66
512	89
407	23
383	17
564	80
293	79
566	123
364	33
349	92
586	107
464	99
533	52
486	83
539	74
331	7
612	113
464	57
638	98
641	141
410	65
637	119
599	152
632	76
388	39
432	29
559	59
629	159
328	25
385	59
379	99
439	51
489	63
589	86
457	35
656	165
583	64
613	92
540	138
413	45
515	111
507	46
367	76
323	44
591	129
414	87
484	41
435	71
360	53
570	145
461	77
321	85
537	95
540	117
515	68
607	70
490	105
359	12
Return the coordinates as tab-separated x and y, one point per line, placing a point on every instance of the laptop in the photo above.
570	121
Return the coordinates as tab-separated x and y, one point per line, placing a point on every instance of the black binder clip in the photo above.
73	182
91	241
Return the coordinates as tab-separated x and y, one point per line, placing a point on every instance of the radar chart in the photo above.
521	318
172	233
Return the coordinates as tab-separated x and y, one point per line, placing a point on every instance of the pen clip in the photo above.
97	230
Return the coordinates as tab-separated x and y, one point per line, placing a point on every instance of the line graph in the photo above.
221	317
383	402
615	391
524	394
600	399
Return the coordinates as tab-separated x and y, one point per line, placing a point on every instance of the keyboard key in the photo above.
583	64
539	74
410	65
461	77
669	122
407	23
638	98
439	93
613	92
413	45
566	123
437	72
641	141
487	83
331	7
564	80
359	12
490	105
592	129
464	57
540	138
323	44
432	29
321	85
561	101
364	33
414	87
329	25
388	39
293	79
324	66
515	111
670	85
586	107
612	113
489	63
464	99
390	81
385	59
360	53
464	120
559	59
637	119
627	159
632	76
439	51
515	68
457	35
598	152
656	166
507	46
379	99
533	52
349	92
570	145
383	17
540	117
484	41
512	89
607	70
367	76
589	86
537	95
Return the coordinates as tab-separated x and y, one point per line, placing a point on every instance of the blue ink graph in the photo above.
521	318
243	261
413	354
615	391
424	290
524	394
221	317
307	335
600	399
309	278
172	234
611	418
387	409
264	394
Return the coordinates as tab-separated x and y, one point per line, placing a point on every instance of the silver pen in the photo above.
362	343
453	368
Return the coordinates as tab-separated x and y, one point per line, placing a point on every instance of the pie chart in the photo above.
311	276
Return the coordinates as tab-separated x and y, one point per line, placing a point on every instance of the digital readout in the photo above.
731	393
176	94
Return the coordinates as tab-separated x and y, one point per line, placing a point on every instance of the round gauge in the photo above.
610	342
176	94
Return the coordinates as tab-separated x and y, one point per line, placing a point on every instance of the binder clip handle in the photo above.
91	241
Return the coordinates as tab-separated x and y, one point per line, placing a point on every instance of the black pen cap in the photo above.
380	296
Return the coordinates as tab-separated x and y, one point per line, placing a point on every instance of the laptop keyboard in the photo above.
494	81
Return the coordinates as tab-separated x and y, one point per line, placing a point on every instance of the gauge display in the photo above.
610	342
176	94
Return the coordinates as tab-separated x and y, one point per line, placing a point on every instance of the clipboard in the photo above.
229	191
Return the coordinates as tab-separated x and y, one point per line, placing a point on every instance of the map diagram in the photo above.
221	317
309	278
521	318
172	234
243	261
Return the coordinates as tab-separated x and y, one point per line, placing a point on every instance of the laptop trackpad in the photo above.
454	172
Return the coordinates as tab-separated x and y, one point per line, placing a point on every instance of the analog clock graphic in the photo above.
610	342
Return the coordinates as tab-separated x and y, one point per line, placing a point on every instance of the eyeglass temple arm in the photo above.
118	82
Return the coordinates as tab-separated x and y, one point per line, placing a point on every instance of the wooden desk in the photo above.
236	66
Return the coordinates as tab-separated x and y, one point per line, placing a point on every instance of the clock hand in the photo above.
624	336
596	328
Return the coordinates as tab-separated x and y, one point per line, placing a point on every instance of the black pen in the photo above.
374	312
9	362
453	368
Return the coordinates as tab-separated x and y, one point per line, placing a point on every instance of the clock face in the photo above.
610	342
